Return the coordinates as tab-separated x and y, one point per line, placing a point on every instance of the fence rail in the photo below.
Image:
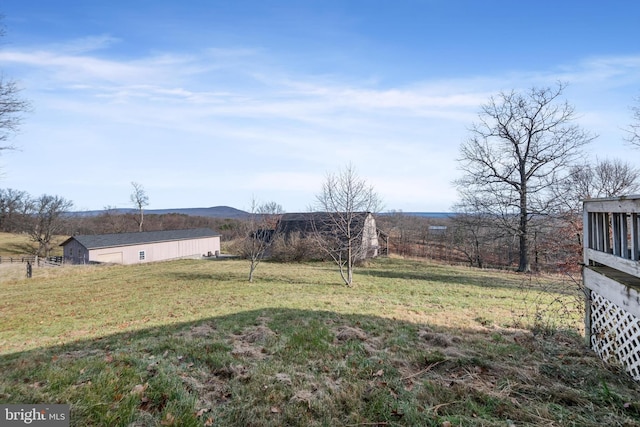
17	259
32	259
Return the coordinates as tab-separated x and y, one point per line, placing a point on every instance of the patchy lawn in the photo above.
191	343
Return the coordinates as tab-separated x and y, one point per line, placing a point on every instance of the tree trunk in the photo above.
477	253
524	265
251	270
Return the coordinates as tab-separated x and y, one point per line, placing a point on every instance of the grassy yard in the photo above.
17	245
192	343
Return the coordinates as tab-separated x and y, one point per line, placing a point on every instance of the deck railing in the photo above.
611	276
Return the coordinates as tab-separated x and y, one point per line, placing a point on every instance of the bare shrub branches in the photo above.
260	232
345	229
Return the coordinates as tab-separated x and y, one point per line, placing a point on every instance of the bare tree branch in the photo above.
12	106
605	178
633	132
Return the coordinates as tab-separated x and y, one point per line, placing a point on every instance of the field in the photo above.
193	343
17	245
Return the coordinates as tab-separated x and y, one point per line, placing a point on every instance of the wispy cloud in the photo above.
86	44
236	108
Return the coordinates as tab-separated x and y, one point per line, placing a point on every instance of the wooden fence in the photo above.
34	260
611	276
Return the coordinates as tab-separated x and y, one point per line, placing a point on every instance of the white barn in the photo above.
141	247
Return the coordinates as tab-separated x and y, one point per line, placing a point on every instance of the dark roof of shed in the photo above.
305	222
97	241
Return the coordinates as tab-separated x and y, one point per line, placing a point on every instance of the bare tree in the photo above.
111	220
140	200
405	231
47	219
633	131
605	178
615	178
12	107
522	144
260	232
13	210
345	203
472	231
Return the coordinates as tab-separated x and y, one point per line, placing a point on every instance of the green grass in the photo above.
193	343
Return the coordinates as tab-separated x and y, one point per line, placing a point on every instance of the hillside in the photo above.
192	343
212	212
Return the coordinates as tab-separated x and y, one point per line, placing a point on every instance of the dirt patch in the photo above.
283	378
259	334
210	389
81	354
372	345
438	339
303	396
347	333
202	330
247	344
246	350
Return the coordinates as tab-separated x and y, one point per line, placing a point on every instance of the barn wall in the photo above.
160	251
75	253
370	242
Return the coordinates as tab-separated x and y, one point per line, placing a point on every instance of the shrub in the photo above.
295	248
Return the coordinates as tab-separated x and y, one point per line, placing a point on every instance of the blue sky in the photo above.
209	103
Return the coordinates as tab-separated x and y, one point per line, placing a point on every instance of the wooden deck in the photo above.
611	276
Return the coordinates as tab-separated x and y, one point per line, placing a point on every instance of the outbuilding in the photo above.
362	229
146	246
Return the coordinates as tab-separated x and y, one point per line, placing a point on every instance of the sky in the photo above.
218	103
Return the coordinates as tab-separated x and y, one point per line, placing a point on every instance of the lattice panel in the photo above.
615	334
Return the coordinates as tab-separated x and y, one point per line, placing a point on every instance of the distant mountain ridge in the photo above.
232	213
428	214
212	212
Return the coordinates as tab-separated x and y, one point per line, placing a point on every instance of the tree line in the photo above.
45	217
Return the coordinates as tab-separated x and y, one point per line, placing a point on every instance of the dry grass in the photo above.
76	302
17	245
413	343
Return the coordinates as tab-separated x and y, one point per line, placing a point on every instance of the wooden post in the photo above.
588	229
587	311
29	270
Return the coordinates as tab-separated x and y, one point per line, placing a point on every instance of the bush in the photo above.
295	248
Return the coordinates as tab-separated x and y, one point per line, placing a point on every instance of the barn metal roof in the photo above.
321	221
98	241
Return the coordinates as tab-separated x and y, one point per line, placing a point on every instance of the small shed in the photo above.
140	247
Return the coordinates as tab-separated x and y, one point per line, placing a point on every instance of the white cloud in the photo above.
87	44
270	130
